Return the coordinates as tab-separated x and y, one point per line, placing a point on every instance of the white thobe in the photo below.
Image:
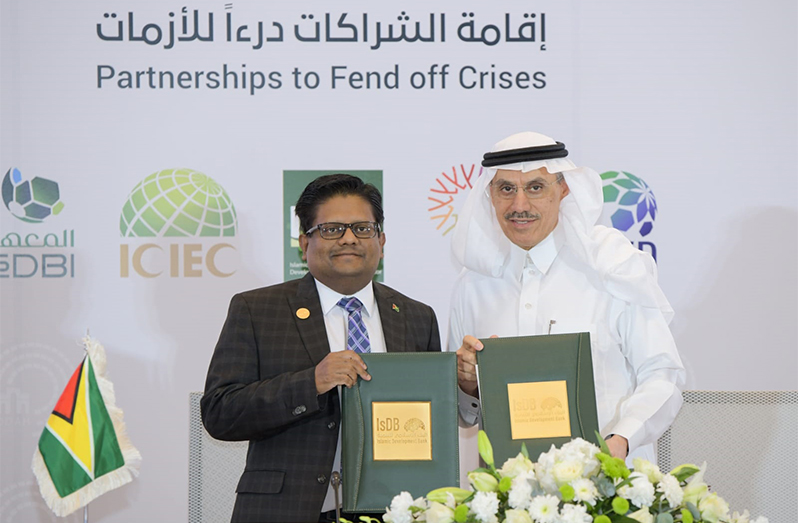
637	370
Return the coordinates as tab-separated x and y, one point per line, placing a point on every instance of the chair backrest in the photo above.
214	468
749	440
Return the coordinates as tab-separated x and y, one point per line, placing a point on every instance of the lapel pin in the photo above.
302	313
394	307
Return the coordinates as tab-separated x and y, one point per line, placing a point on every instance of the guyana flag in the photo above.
84	451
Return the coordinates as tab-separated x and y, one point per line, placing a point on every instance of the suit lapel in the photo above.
311	328
393	319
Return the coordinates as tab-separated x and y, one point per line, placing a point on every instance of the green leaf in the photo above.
485	448
664	518
627	481
440	495
524	451
602	444
605	487
687	516
682	472
505	484
694	511
617	518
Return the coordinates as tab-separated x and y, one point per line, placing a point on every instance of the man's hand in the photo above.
339	368
467	365
618	445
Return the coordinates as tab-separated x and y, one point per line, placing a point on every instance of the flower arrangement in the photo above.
577	483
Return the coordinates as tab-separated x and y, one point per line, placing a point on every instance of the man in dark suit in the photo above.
282	354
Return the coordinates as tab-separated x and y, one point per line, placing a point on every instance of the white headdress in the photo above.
480	245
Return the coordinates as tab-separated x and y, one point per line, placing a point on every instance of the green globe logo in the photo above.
178	202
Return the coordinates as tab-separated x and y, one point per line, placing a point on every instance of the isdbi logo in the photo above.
30	200
630	207
28	251
176	203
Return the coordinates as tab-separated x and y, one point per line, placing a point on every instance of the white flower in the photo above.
514	466
642	515
670	488
713	508
584	491
649	469
745	518
450	501
575	459
696	488
574	514
400	509
581	446
543	509
439	513
484	506
520	494
640	492
567	471
483	482
517	516
585	452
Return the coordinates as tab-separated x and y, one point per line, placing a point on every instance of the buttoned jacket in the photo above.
261	387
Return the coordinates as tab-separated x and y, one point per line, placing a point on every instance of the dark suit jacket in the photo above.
261	387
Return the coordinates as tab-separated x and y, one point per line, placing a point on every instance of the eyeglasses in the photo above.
533	190
333	230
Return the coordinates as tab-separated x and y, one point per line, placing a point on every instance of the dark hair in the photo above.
325	187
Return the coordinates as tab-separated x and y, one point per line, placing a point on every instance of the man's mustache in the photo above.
521	216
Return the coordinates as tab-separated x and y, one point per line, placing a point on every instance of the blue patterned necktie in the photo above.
357	338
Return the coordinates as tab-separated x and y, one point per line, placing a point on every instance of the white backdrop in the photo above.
696	98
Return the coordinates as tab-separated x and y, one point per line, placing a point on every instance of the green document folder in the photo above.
424	431
509	368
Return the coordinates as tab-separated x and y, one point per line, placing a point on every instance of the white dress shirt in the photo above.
637	370
336	320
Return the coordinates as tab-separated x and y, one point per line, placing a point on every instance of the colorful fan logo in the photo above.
448	193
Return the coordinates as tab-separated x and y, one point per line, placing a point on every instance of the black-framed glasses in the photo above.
533	190
334	230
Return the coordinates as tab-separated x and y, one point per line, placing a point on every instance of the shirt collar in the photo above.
541	255
330	298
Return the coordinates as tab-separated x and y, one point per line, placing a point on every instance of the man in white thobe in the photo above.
535	262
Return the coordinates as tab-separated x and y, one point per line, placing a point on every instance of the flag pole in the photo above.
86	506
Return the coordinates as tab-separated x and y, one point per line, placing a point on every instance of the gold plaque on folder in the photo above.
539	410
402	430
